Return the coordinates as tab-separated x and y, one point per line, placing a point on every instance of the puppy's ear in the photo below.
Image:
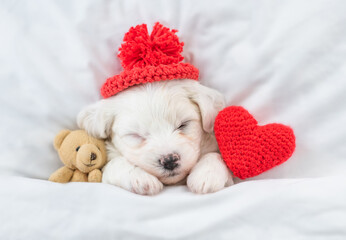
210	103
97	119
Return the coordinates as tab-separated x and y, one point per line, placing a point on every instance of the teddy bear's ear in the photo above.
60	138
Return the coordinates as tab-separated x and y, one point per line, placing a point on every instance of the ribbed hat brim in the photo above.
137	75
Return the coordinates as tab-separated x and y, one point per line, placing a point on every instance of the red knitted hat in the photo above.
149	58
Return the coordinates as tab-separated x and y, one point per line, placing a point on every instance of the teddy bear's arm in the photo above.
79	176
62	175
95	176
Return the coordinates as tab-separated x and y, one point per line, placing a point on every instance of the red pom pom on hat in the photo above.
148	58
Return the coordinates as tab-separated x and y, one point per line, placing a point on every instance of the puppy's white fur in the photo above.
148	121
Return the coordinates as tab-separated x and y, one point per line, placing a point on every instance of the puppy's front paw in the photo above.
206	182
144	183
209	175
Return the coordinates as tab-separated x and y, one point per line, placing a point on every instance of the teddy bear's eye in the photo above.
77	148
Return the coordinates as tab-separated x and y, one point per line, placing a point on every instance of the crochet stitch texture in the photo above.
249	149
149	58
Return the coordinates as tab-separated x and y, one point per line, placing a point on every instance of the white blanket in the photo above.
284	61
263	209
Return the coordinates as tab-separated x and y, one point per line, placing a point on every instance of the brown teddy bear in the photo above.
82	155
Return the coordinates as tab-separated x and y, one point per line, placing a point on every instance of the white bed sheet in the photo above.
283	61
263	209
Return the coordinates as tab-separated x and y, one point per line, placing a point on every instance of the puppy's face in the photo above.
158	129
158	126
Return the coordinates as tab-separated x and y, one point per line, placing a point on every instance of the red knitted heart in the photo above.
249	149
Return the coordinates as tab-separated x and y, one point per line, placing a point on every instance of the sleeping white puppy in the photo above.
160	133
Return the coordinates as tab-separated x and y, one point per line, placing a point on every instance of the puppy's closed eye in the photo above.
183	125
133	139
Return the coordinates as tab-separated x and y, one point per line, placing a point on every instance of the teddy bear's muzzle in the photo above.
88	158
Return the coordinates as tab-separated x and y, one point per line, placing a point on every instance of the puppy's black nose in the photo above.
170	161
92	156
